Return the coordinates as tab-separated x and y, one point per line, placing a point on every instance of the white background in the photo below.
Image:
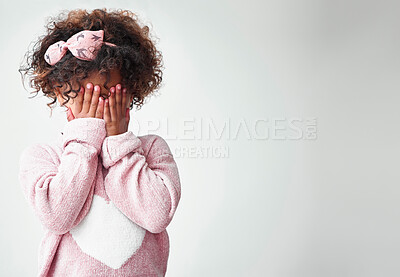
273	207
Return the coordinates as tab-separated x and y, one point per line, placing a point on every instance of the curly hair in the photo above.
136	57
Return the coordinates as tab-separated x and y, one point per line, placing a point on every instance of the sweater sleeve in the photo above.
144	186
58	190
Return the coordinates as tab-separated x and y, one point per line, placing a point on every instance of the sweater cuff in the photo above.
90	130
116	147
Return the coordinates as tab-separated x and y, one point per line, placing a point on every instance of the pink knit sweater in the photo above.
105	202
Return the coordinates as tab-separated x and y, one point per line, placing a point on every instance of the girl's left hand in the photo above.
116	114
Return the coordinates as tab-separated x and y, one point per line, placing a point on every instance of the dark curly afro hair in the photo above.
136	57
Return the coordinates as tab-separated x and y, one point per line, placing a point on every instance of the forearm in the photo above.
145	189
59	193
60	196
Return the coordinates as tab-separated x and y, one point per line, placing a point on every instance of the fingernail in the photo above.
124	91
88	86
112	89
119	86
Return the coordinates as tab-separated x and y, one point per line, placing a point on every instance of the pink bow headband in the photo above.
83	45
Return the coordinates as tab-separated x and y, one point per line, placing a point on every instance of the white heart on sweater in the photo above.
107	235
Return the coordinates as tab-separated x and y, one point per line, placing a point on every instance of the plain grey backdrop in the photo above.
308	180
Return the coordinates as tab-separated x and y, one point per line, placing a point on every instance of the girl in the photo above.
104	195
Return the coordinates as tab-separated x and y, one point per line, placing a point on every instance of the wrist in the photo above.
115	133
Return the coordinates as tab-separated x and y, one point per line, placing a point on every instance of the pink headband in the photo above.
82	45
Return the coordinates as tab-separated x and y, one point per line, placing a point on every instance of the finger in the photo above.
127	116
123	101
95	101
118	100
106	115
77	101
113	110
100	108
87	99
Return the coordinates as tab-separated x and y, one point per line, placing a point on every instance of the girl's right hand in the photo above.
88	103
